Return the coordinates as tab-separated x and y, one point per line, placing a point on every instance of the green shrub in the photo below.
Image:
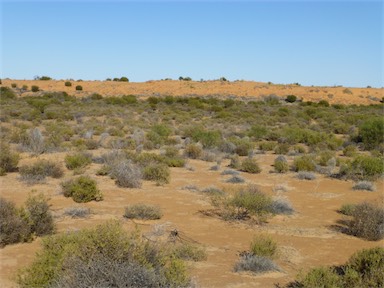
347	209
258	132
189	252
193	151
13	85
368	265
304	163
282	148
77	160
79	88
250	165
320	277
159	134
267	146
124	79
104	256
281	164
364	269
371	132
39	170
39	217
143	211
14	226
6	94
363	167
263	245
68	84
235	162
8	159
157	172
44	78
35	88
291	98
82	189
350	151
246	202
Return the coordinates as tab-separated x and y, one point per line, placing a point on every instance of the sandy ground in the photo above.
249	89
305	239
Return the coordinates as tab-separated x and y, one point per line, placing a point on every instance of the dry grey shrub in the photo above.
127	174
35	142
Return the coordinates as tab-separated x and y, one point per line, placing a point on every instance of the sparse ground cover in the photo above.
126	150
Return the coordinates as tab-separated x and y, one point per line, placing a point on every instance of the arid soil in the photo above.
248	89
305	239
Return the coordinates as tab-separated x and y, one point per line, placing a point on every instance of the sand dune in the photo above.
249	89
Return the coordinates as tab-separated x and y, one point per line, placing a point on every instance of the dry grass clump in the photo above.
39	170
77	212
143	211
364	185
305	175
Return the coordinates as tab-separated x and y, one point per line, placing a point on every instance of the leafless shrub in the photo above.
77	212
305	175
256	264
127	174
364	185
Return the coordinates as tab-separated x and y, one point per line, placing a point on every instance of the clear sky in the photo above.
310	42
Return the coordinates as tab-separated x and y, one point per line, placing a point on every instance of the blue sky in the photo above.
310	42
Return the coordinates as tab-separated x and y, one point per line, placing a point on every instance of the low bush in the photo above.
371	132
143	211
77	212
8	159
104	256
39	170
363	167
291	98
35	88
364	185
82	189
347	209
193	151
157	172
367	221
77	160
281	164
19	225
245	203
235	162
256	264
127	174
304	163
350	151
281	206
236	179
39	217
282	148
68	84
250	165
79	88
14	226
364	269
267	146
263	245
305	175
190	252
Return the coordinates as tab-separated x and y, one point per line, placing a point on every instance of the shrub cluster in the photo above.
39	170
259	258
364	269
77	160
105	256
8	159
19	225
